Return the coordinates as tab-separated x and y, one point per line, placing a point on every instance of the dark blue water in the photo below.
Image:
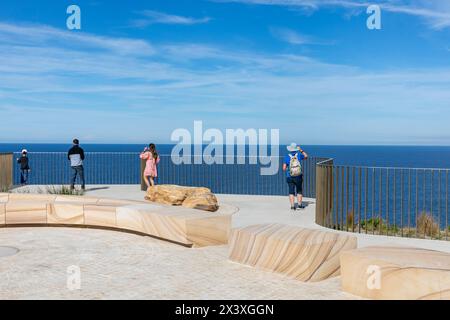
392	156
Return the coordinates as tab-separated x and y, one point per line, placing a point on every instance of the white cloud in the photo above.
435	13
155	17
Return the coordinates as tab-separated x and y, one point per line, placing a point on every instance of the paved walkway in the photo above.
117	265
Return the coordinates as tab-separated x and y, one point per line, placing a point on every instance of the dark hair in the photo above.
152	149
76	141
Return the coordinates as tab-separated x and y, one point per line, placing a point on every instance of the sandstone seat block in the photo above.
186	226
65	213
4	197
2	213
396	273
183	225
26	212
31	197
302	254
76	199
100	215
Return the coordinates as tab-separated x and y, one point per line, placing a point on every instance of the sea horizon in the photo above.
361	155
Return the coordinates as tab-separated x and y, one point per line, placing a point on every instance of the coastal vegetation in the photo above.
425	227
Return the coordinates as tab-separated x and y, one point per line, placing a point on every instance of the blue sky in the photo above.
137	70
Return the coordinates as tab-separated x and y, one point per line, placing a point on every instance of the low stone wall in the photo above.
181	225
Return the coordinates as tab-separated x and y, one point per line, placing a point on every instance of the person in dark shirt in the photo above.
76	157
24	163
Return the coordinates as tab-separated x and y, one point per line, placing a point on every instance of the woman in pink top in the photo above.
152	159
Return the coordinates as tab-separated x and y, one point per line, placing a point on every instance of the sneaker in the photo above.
293	208
302	206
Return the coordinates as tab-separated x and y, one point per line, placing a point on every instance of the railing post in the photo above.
324	192
6	171
143	185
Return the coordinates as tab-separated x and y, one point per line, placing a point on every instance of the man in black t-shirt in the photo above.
24	167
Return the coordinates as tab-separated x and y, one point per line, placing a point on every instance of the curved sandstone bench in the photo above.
302	254
396	273
185	226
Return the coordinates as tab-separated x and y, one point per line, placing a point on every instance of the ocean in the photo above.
384	156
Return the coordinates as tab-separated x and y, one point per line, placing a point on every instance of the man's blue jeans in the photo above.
79	170
24	176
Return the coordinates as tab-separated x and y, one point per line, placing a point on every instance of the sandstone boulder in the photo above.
166	194
190	197
201	201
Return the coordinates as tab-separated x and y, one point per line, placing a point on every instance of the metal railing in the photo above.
406	202
6	171
108	168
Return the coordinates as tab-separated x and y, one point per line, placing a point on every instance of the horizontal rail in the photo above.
392	201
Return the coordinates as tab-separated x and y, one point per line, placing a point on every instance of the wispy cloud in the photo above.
290	36
150	17
33	34
296	38
435	13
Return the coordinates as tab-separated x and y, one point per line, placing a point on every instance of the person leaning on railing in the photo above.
24	167
76	157
151	157
294	174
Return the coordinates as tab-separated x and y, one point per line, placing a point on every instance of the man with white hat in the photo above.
24	167
294	174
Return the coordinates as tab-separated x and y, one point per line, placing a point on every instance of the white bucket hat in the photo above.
292	147
24	151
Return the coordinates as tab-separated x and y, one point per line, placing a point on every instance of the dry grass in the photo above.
426	225
351	219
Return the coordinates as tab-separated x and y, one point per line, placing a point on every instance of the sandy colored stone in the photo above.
65	213
4	197
114	202
104	216
166	194
201	201
190	197
396	273
302	254
2	213
26	212
182	225
31	197
76	199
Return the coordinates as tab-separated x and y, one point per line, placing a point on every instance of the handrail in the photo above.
392	201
